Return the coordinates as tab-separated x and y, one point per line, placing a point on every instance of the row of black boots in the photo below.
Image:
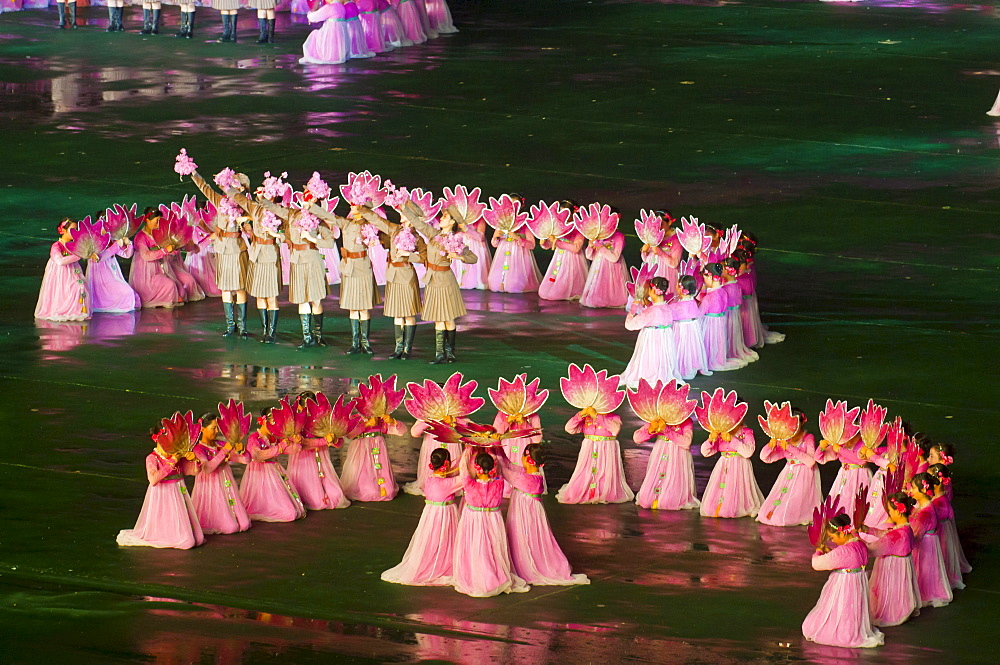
151	23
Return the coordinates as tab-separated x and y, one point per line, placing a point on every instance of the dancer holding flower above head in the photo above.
215	496
64	295
599	476
796	492
928	556
951	551
473	229
715	329
265	488
888	459
310	470
367	473
606	280
666	410
167	518
451	403
514	269
566	275
732	490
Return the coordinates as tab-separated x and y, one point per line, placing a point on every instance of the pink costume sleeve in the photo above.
674	252
805	452
824	455
575	244
528	241
710	447
575	424
213	463
473	232
396	428
419	428
590	251
323	13
260	449
614	252
501	424
683	434
844	556
879	460
143	244
495	240
745	442
770	453
654	315
158	468
887	544
922	521
56	254
642	434
125	250
604	425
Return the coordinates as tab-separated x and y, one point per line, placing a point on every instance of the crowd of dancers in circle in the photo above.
351	28
901	515
693	300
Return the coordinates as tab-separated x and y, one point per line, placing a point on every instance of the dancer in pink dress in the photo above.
661	248
63	295
356	31
761	334
410	17
439	17
655	354
567	272
151	274
666	410
514	269
109	292
734	299
331	44
482	565
430	555
215	496
946	525
167	518
605	286
715	330
796	493
536	555
268	494
517	403
732	490
200	262
895	596
310	470
841	617
944	453
691	357
473	230
367	473
392	27
932	577
854	473
599	475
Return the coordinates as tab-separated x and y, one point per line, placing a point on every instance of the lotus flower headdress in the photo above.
178	436
474	434
88	238
504	214
454	399
378	399
693	236
837	424
121	222
364	189
466	202
662	405
596	222
873	426
234	424
720	413
649	228
333	422
518	399
549	221
593	392
822	515
780	424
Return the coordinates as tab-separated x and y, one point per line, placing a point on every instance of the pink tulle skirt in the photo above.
841	617
932	578
379	256
64	295
599	476
167	519
954	555
877	517
850	478
312	474
190	290
439	17
654	358
218	503
736	348
669	481
514	269
285	254
747	323
605	285
732	490
691	357
367	473
761	333
536	555
330	45
796	493
392	28
109	292
474	275
374	33
430	555
895	596
358	41
715	337
482	565
269	495
565	277
427	446
409	16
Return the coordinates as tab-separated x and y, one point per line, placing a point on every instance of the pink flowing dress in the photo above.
950	534
268	494
747	286
566	275
371	24
367	473
853	475
715	331
167	518
330	45
474	275
430	555
655	354
427	446
932	577
736	347
895	596
439	17
356	32
691	358
732	490
669	482
409	16
109	292
599	476
151	275
952	555
761	333
878	517
312	474
605	286
665	259
796	492
841	618
482	566
63	295
215	496
200	262
514	446
190	291
514	269
536	555
392	27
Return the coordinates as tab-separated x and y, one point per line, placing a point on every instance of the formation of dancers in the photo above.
901	515
693	301
351	28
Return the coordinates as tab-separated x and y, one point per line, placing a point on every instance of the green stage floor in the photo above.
851	138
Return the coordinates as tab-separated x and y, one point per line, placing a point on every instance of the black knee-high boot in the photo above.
307	337
270	30
265	319
399	335
147	22
72	14
182	28
272	326
156	22
262	27
232	27
355	337
440	355
408	334
190	26
241	320
225	28
318	330
112	16
230	311
366	346
61	7
449	346
120	19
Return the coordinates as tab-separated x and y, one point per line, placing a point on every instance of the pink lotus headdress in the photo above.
88	238
289	422
172	230
446	403
596	222
720	413
693	236
504	214
467	203
425	201
822	515
873	426
690	266
178	436
593	392
121	222
636	287
333	422
234	424
730	240
378	399
364	189
662	405
780	424
837	424
649	228
895	441
518	399
549	221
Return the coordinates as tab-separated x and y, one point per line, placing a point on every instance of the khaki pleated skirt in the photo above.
232	271
265	279
262	4
442	298
225	4
307	280
358	291
402	298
